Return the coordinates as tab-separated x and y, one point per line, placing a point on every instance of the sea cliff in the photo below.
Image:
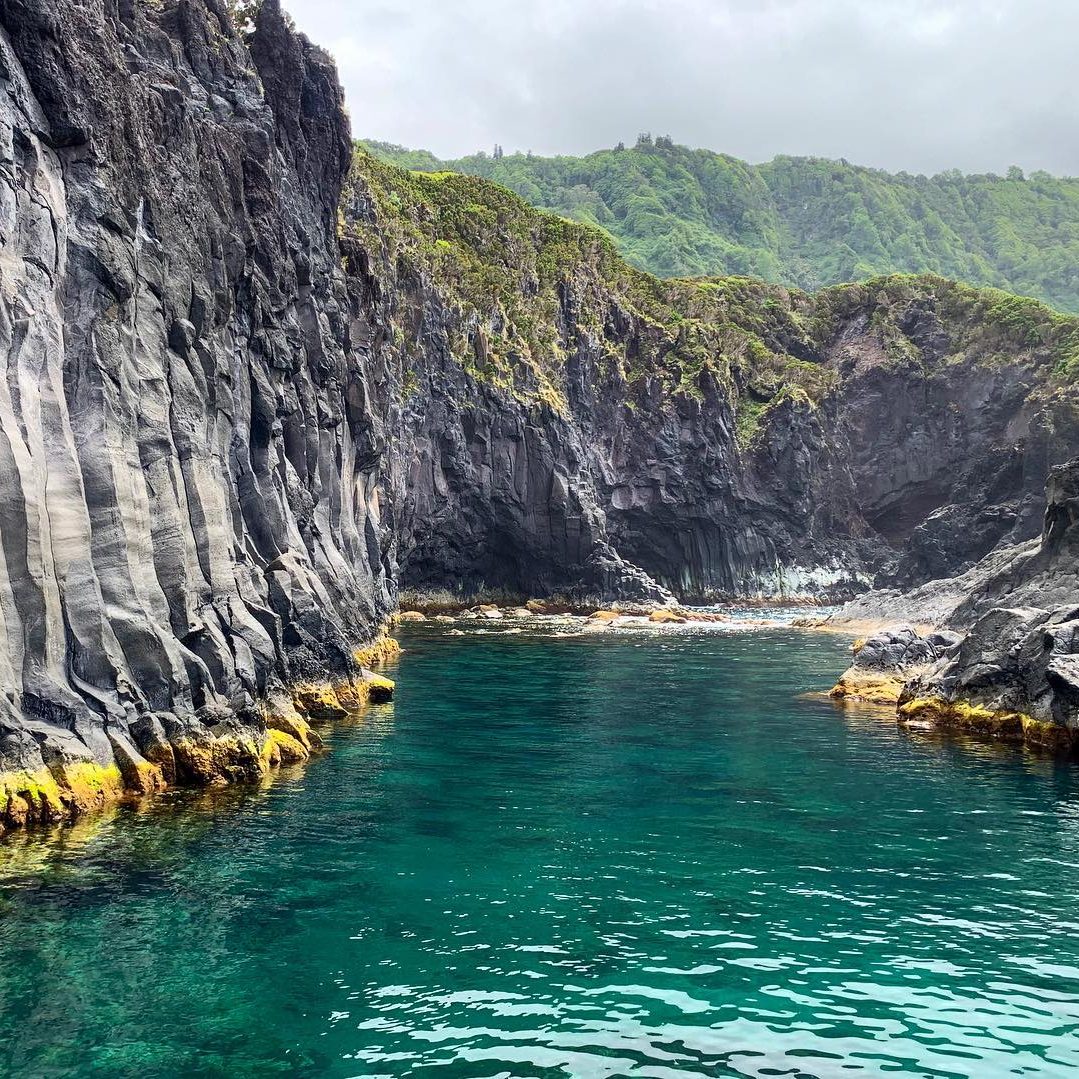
256	381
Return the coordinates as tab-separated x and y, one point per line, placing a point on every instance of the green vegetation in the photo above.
515	292
804	222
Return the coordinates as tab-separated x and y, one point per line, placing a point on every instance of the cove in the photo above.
641	854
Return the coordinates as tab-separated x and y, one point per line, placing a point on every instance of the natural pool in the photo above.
605	855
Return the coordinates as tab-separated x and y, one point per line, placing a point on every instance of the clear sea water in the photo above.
611	855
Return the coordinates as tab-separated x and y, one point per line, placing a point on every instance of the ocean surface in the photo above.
617	854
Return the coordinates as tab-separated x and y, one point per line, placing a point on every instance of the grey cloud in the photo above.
921	85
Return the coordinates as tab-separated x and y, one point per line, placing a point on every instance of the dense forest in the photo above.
799	221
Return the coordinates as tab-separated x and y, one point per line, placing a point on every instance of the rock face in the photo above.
1014	674
187	508
248	390
1045	574
568	425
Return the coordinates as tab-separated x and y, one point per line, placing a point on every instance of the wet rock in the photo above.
884	662
663	616
1012	677
379	689
901	647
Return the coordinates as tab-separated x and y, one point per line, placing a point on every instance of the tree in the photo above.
244	14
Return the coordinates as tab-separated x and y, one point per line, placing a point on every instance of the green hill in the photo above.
800	221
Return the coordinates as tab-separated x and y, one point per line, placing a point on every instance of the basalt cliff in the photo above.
256	382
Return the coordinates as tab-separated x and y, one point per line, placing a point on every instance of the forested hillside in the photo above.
800	221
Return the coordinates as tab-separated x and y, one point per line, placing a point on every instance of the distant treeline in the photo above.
799	221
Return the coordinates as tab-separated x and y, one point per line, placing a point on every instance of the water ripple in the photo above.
570	857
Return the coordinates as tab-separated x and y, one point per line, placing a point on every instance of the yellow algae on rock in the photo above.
378	653
868	686
279	714
279	748
352	693
379	689
89	784
140	776
56	794
206	755
29	797
214	761
319	700
1002	724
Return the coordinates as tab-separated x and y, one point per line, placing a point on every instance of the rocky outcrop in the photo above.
1015	677
1014	674
886	661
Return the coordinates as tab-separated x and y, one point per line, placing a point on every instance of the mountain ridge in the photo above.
801	221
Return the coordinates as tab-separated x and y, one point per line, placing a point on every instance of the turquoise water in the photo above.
591	856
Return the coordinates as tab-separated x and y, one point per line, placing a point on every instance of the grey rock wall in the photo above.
188	505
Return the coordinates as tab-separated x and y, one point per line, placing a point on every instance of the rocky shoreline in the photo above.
256	383
212	748
1005	660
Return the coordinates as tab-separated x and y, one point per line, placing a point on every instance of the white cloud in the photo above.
920	85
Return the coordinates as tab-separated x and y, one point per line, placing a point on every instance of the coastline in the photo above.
173	756
290	716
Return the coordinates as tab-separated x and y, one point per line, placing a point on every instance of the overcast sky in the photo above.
921	85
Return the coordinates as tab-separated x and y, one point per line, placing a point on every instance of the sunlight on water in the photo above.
596	856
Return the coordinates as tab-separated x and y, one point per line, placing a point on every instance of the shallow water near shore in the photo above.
603	855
